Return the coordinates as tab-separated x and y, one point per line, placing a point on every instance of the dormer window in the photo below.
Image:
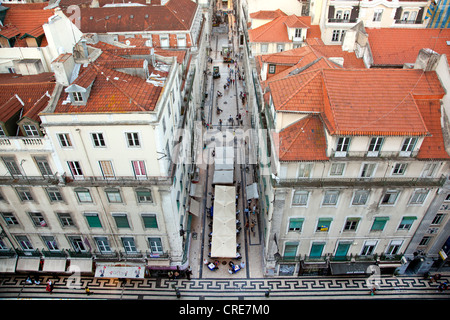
77	96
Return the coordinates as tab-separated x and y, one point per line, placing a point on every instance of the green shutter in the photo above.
316	250
290	250
150	221
93	221
342	249
121	221
379	223
324	224
296	223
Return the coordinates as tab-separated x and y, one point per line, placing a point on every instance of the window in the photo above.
394	247
298	33
102	244
113	195
300	198
121	220
379	223
295	224
406	223
65	219
405	16
77	243
155	245
98	140
2	132
133	139
77	96
280	47
75	169
390	197
10	219
83	195
24	243
150	221
144	196
12	166
290	250
346	15
316	249
30	130
337	169
335	36
360	197
44	166
181	40
64	140
93	220
377	14
368	248
129	245
323	225
399	169
50	242
408	146
425	241
272	68
342	249
338	15
351	224
330	198
418	197
164	40
367	170
438	218
37	219
139	169
304	170
54	194
429	170
264	47
375	146
342	145
107	169
24	194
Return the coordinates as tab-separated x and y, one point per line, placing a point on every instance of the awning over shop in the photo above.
119	270
223	243
350	267
8	265
54	265
28	264
223	166
80	265
194	207
252	191
196	190
223	177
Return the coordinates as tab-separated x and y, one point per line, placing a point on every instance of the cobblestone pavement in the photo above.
316	288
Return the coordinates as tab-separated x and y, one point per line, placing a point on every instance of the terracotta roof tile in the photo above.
396	46
361	102
276	31
267	14
303	140
28	18
432	146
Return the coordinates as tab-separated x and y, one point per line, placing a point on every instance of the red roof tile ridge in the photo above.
286	150
101	70
261	30
313	74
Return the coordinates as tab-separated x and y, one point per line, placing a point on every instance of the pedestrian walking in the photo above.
87	290
49	287
188	273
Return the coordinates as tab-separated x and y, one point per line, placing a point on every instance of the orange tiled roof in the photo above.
276	30
396	46
9	32
112	91
432	146
360	102
303	140
267	14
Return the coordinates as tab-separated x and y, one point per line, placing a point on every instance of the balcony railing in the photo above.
373	155
402	21
118	181
360	182
334	20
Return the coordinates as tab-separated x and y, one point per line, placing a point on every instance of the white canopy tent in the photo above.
223	243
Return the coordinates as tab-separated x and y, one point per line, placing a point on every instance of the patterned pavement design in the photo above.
329	288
